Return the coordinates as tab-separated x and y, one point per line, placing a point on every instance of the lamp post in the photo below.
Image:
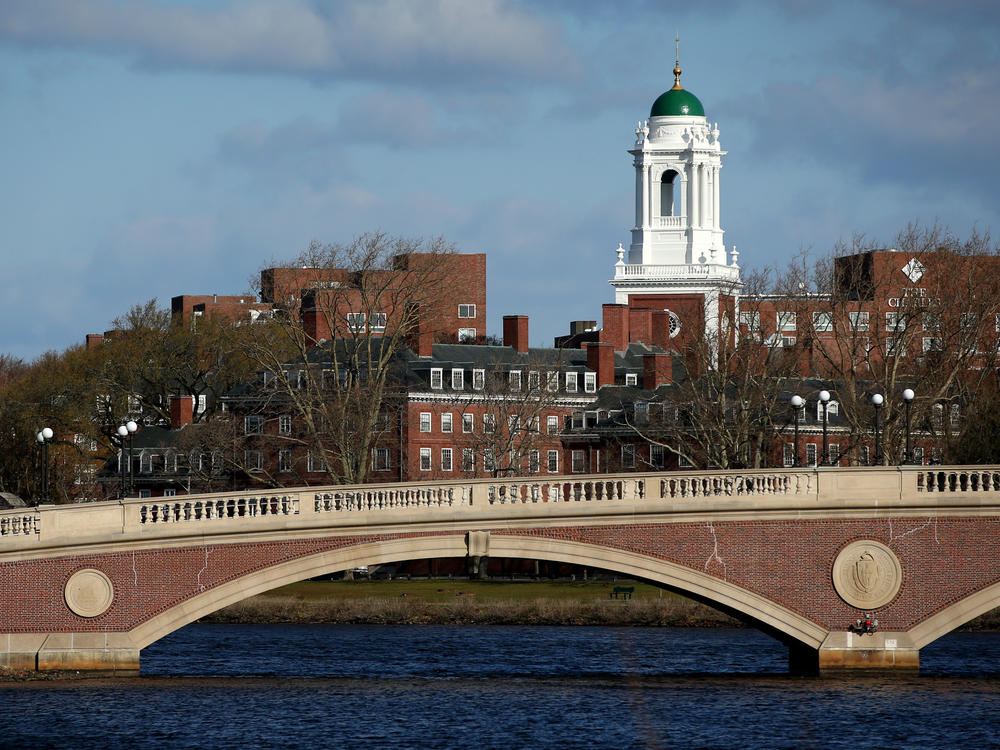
908	395
44	436
128	430
877	402
797	403
824	399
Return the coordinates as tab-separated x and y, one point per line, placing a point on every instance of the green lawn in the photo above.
445	590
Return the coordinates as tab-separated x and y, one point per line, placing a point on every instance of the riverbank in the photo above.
461	602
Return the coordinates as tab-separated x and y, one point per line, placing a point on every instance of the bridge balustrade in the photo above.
968	480
238	507
20	525
380	498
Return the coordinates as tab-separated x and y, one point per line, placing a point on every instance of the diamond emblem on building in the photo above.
914	270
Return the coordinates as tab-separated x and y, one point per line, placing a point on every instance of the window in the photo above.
144	493
217	462
466	335
436	378
590	382
515	380
570	382
378	321
684	462
533	424
895	321
788	457
458	379
467	311
578	459
552	425
202	404
489	462
552	462
552	381
425	459
628	456
380	459
513	422
894	346
810	454
468	460
833	451
252	460
170	462
425	421
832	407
534	464
146	461
858	321
931	344
478	379
312	462
822	321
631	378
750	321
446	459
468	423
865	455
787	321
489	423
956	415
446	422
657	456
284	424
253	425
932	321
356	322
533	380
284	460
918	456
169	492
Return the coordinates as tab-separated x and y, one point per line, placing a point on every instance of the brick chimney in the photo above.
421	336
660	335
615	326
601	359
657	368
640	325
181	411
94	340
515	332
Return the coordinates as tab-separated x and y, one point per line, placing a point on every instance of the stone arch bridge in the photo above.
801	554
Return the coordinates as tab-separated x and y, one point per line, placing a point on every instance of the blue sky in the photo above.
163	148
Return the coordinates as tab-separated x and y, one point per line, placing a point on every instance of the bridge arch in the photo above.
774	619
956	615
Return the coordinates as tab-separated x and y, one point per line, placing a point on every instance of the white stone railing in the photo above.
959	480
384	498
677	271
561	496
19	523
669	222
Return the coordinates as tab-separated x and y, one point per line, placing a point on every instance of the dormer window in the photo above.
458	379
437	375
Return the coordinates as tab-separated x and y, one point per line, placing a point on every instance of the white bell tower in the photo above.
677	242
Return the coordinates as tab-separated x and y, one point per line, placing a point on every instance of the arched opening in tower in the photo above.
670	194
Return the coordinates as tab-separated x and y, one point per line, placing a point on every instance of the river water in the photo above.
314	686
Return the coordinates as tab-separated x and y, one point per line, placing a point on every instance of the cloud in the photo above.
488	42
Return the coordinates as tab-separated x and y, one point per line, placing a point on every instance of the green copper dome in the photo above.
677	102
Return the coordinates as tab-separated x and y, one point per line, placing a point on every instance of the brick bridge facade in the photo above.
801	554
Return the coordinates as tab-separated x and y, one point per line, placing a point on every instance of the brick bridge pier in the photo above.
801	554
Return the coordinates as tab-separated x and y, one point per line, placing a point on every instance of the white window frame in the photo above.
253	460
514	380
447	422
895	322
446	460
579	462
437	378
478	379
787	321
284	424
381	459
590	382
552	425
468	459
571	382
468	423
467	310
631	378
457	379
425	421
657	456
466	335
489	423
425	459
253	424
628	456
378	321
812	454
552	381
534	462
284	460
859	320
534	381
822	321
552	461
356	321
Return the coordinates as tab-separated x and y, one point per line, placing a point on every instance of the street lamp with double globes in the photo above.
824	399
44	436
877	402
797	403
908	396
128	430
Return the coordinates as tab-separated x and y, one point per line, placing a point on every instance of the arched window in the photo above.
670	194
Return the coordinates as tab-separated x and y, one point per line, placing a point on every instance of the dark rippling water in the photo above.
226	686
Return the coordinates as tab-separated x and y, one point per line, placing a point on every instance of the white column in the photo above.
645	196
703	197
693	186
715	199
638	196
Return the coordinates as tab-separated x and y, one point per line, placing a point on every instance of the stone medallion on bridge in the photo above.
89	593
867	574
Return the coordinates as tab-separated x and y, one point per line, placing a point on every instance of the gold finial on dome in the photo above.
677	62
